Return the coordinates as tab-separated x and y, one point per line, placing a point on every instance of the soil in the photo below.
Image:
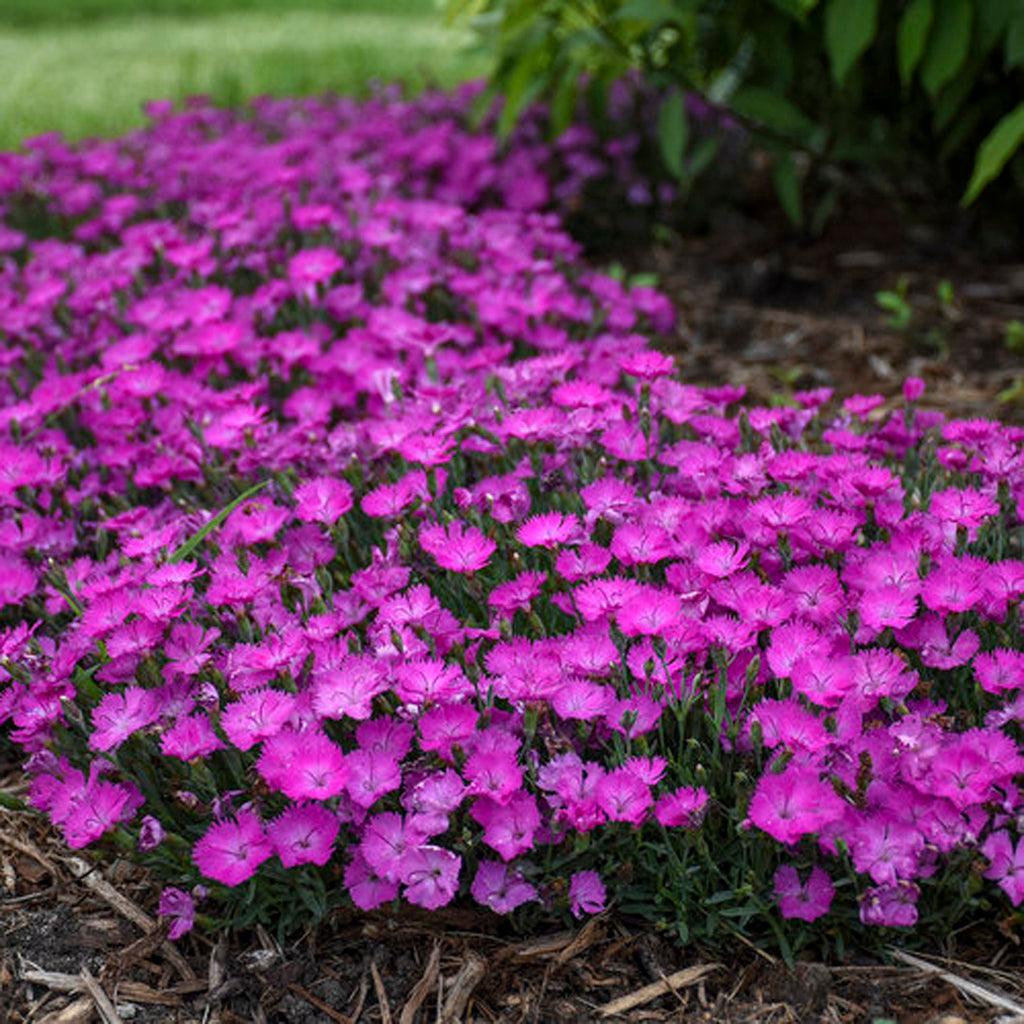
761	307
758	307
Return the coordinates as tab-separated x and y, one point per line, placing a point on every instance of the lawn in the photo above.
85	67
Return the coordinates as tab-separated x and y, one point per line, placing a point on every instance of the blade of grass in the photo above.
190	544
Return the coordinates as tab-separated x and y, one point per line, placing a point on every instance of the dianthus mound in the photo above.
358	543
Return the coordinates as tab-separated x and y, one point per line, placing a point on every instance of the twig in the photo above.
422	987
680	979
100	998
471	973
317	1002
30	851
965	985
127	909
382	996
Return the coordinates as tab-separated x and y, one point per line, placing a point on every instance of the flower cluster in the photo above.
353	528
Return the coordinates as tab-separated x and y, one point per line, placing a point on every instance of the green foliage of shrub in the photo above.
932	87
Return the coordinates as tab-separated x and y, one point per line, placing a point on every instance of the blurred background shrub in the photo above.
925	94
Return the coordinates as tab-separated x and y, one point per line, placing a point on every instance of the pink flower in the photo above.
509	828
682	808
501	888
624	797
794	803
549	530
304	765
431	876
457	547
259	715
368	890
894	906
304	834
324	499
371	774
180	908
647	365
1006	864
494	774
387	841
120	715
807	900
192	736
587	893
231	851
649	613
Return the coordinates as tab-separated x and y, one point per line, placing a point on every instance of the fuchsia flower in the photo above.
793	803
304	765
231	851
586	893
431	876
457	547
180	908
323	500
1006	864
499	887
549	530
682	808
807	900
304	834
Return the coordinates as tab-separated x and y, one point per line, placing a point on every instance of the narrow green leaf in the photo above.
773	111
850	26
995	152
788	188
673	131
190	544
563	102
948	44
914	27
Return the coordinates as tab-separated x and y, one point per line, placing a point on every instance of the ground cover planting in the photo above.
360	546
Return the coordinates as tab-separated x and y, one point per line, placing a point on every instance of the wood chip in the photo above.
100	998
422	987
97	884
969	988
382	996
672	983
78	1012
591	932
461	988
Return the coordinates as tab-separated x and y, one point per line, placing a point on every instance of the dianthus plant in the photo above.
358	547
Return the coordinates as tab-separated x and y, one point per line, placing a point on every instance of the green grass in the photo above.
85	68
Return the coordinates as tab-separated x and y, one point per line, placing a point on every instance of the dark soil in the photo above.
762	308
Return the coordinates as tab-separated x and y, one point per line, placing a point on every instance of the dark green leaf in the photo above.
913	34
190	544
948	44
788	188
850	26
773	111
995	152
673	131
